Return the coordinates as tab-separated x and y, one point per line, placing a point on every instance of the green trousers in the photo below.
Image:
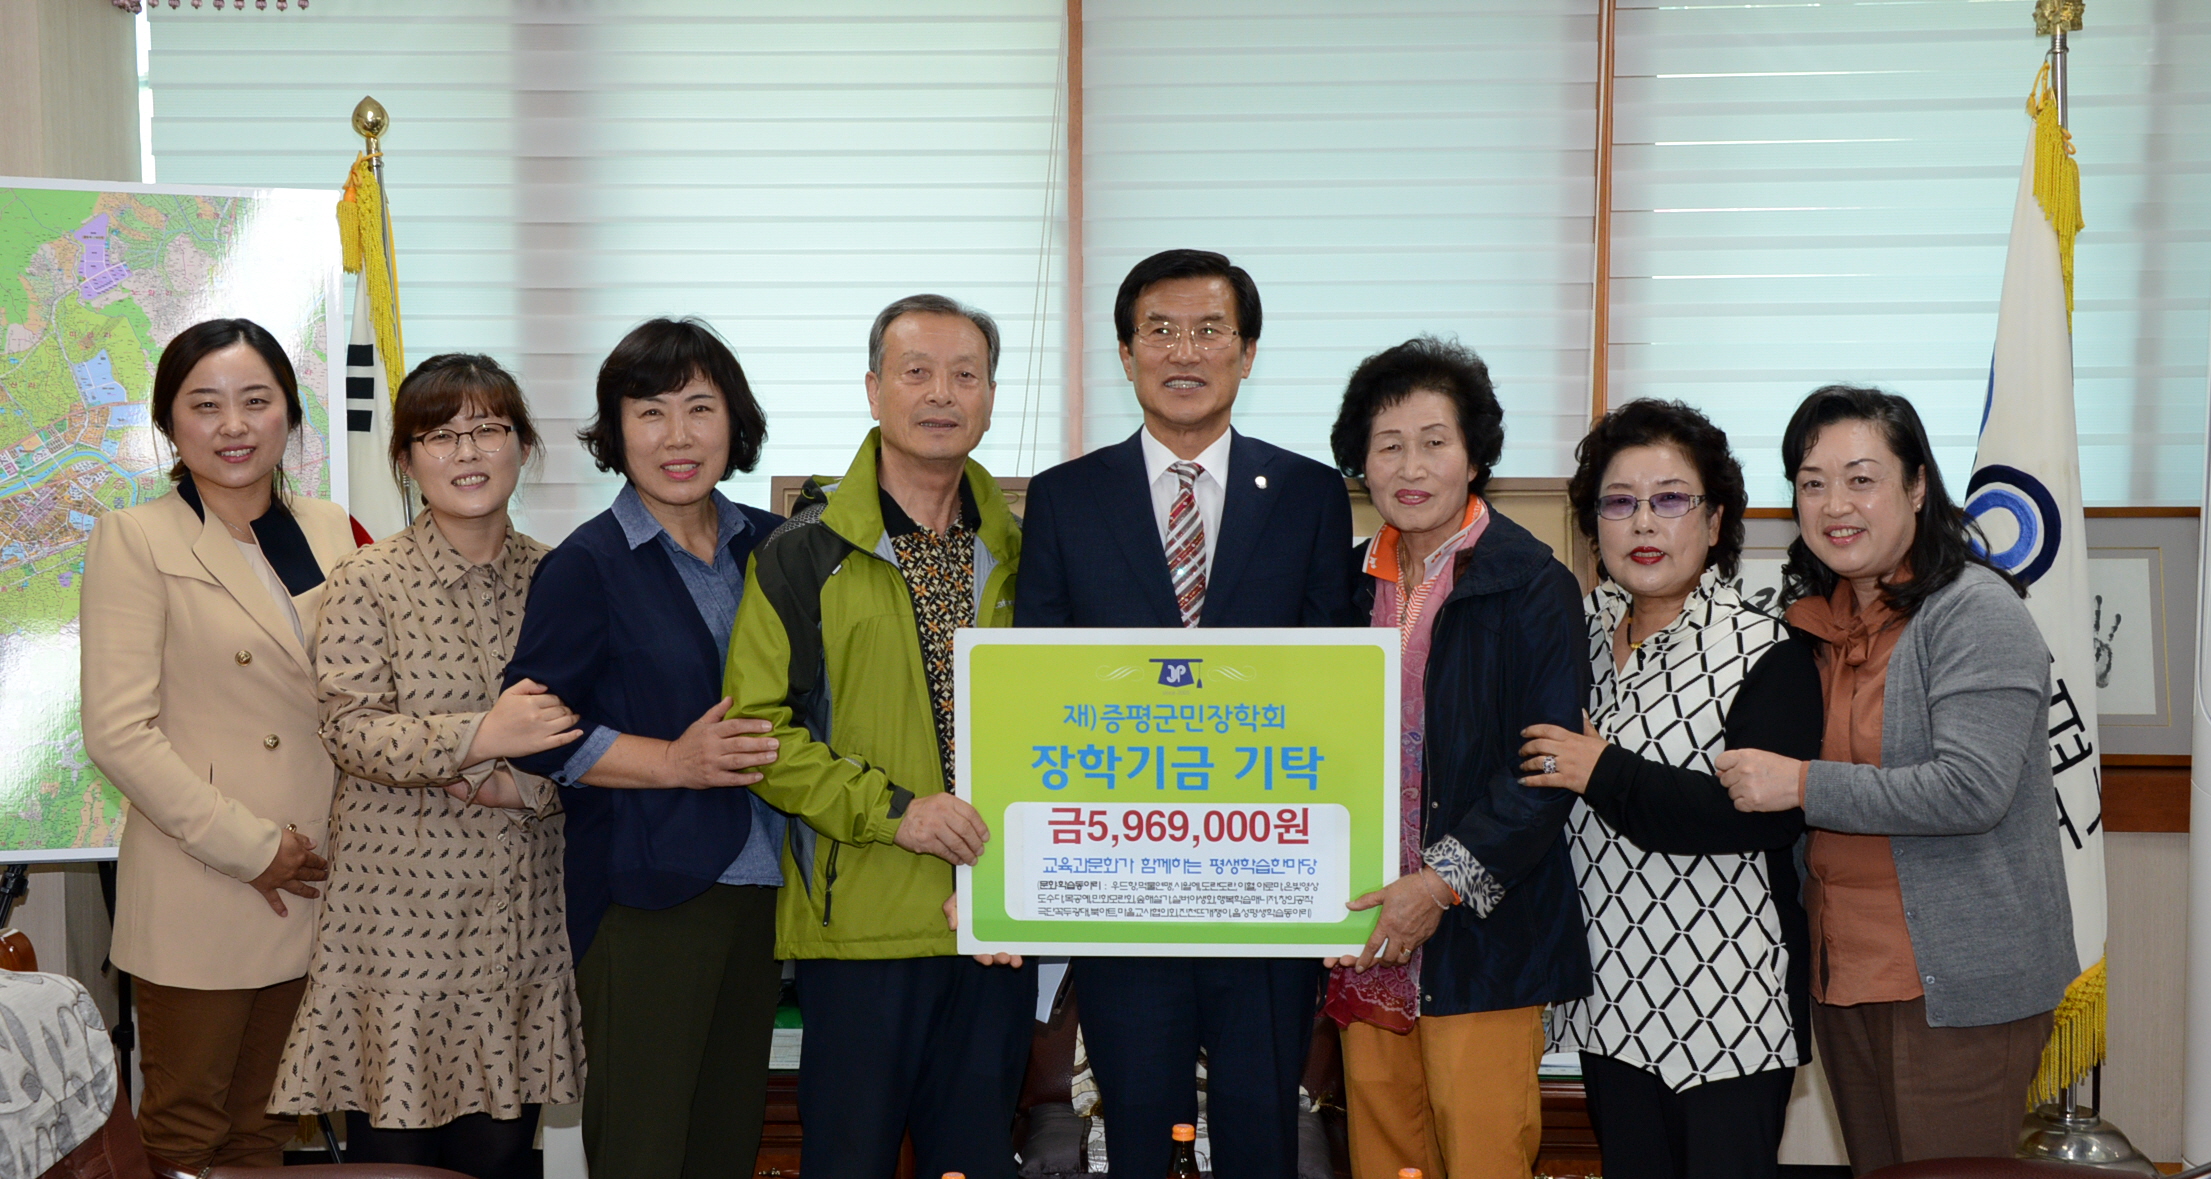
678	1010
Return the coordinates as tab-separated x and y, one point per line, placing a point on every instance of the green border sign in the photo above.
1169	791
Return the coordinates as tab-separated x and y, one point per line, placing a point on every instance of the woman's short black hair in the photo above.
1173	264
195	344
1649	422
1943	544
660	356
1423	362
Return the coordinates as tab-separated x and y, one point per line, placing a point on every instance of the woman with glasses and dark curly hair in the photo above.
1442	1011
1691	1041
441	1006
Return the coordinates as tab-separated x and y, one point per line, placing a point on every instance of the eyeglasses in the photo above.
1668	505
490	438
1161	336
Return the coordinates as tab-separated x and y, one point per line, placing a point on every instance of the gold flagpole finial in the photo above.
2049	17
371	120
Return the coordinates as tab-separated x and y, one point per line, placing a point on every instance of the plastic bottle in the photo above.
1184	1164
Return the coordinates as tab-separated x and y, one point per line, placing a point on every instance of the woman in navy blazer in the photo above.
1442	1011
672	865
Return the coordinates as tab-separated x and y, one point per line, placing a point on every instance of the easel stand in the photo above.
16	952
125	1033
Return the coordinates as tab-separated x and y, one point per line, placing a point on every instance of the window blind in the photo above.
1807	193
559	171
1380	171
1803	193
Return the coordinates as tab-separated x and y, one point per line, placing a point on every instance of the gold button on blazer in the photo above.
200	705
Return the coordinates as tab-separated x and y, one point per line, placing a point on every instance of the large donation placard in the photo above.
1222	792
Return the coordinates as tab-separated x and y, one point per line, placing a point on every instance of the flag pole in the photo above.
378	299
2068	1130
2054	19
370	121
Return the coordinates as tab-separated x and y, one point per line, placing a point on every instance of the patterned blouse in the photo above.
1687	952
441	983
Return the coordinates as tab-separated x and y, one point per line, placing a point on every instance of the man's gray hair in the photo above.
931	305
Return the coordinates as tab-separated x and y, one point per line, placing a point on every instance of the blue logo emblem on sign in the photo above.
1178	673
2008	491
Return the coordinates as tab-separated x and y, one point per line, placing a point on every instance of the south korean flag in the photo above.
376	501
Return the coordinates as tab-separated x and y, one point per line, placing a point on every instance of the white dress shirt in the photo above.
1210	489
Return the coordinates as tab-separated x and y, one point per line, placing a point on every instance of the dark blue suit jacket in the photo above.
613	632
1091	554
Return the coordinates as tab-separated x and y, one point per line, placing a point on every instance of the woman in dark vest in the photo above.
1442	1012
672	864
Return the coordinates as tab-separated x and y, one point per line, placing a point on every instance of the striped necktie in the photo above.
1186	544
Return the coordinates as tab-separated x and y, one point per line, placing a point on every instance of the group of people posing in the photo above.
421	829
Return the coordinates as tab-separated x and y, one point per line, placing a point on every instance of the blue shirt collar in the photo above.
638	525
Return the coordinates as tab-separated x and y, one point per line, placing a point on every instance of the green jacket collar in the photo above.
855	513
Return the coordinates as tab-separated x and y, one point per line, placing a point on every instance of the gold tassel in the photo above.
2056	178
2076	1040
361	233
349	227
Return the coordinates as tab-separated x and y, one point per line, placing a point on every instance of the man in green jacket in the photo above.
844	643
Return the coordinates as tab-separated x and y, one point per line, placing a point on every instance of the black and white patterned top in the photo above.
1691	953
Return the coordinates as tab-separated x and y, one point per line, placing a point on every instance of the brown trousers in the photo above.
1905	1091
209	1062
1456	1097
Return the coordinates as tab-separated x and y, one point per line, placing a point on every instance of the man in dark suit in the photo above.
1188	523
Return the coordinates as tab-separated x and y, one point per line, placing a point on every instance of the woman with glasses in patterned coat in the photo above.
1690	1044
441	1007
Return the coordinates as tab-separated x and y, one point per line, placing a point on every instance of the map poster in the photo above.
1174	791
95	278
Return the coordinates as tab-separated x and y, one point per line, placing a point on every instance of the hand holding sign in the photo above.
1411	910
952	921
944	826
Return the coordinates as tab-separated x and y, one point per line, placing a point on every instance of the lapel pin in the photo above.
1261	480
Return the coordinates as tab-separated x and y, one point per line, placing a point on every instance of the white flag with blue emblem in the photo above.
2025	496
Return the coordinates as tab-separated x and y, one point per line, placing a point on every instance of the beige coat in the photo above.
200	705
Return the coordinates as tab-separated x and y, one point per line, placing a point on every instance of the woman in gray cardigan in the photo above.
1940	930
